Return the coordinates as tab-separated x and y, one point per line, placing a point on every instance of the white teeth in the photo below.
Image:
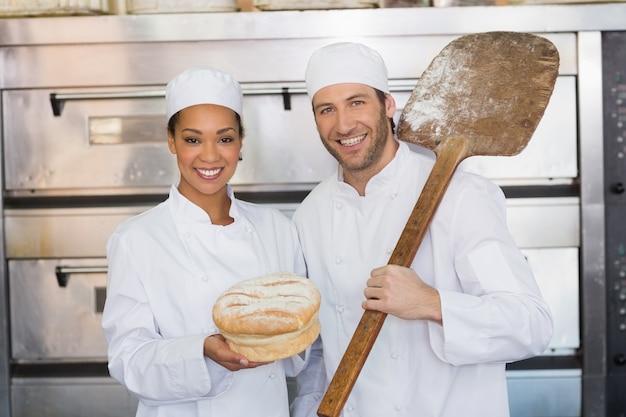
209	172
352	141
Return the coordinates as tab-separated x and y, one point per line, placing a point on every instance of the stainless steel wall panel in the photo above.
267	60
5	333
137	64
62	233
593	283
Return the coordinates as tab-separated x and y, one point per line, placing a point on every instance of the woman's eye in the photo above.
226	139
191	140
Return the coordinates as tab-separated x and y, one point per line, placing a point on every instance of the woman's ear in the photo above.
171	142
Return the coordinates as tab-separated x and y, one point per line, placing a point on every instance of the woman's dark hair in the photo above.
171	124
381	97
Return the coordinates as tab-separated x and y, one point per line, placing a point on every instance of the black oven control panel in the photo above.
614	93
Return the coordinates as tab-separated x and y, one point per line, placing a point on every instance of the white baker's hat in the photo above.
345	62
202	85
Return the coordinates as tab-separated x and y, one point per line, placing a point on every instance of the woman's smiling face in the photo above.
207	142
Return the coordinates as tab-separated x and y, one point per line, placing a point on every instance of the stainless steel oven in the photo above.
84	147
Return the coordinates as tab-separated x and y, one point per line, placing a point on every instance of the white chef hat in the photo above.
345	62
202	85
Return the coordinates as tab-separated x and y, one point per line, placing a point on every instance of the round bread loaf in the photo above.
270	317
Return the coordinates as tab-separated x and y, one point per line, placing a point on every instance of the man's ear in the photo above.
390	105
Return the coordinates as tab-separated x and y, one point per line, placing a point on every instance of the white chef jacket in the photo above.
493	311
167	267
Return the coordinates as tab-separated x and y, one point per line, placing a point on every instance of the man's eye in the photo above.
325	110
357	103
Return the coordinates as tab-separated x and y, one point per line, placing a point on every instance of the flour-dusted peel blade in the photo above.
490	88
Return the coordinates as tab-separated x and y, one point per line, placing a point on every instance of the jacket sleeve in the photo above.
157	370
492	308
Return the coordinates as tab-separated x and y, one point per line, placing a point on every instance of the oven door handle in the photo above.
57	100
63	272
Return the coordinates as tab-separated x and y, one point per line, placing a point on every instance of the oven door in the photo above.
103	142
56	310
119	137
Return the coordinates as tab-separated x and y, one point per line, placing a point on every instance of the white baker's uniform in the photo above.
167	267
493	311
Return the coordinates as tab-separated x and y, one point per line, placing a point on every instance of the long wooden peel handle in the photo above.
449	155
351	363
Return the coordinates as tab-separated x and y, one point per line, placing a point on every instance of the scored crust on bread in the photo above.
270	317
